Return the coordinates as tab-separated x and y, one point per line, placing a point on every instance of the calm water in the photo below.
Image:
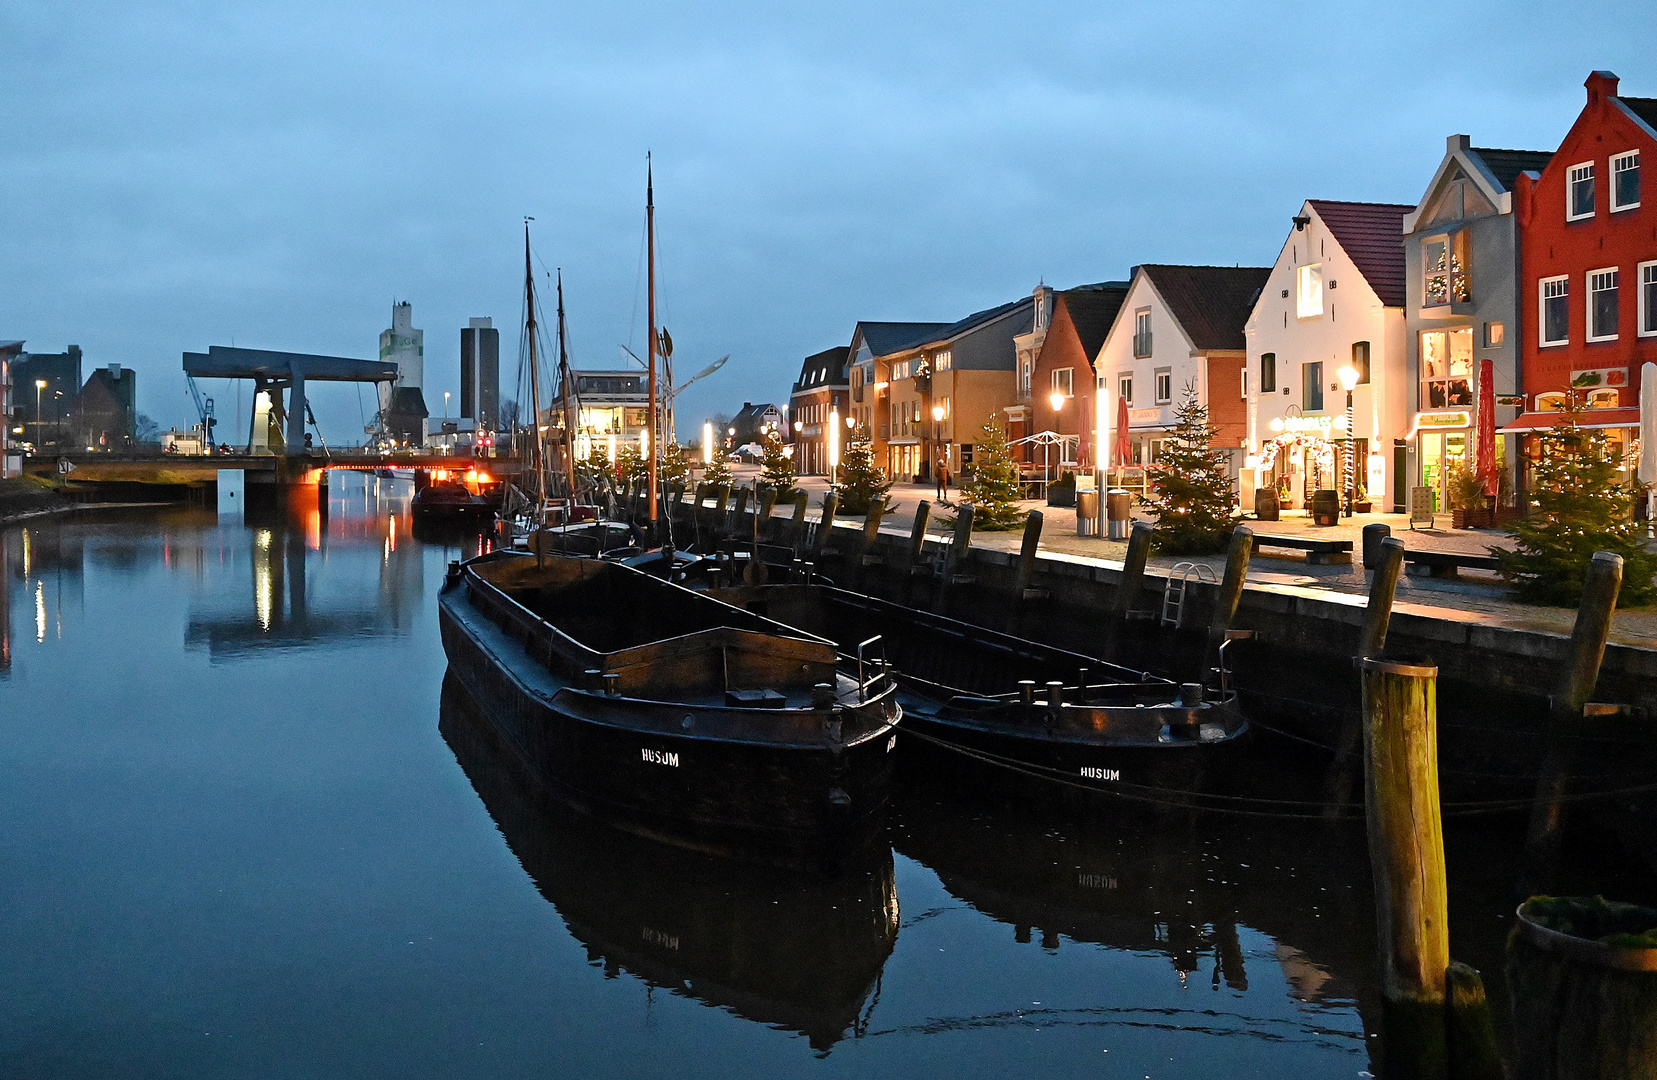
245	831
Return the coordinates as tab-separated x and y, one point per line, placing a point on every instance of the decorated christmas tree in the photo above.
630	466
992	488
1195	509
862	484
1580	509
673	467
718	471
777	467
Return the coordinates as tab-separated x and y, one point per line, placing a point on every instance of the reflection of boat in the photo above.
798	953
664	710
993	693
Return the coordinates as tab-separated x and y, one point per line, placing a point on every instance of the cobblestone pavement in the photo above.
1475	596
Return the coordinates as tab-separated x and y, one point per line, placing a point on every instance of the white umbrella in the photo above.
1647	472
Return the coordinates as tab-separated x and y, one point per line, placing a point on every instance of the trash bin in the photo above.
1118	512
1374	533
1087	513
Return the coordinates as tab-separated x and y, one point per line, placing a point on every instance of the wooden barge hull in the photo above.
676	772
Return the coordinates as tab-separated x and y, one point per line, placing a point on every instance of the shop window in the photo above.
1550	402
1602	399
1648	299
1360	361
1579	192
1311	388
1447	368
1268	373
1602	304
1447	275
1554	299
1625	181
1309	291
1164	386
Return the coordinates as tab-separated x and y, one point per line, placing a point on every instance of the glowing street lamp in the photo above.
1348	375
707	442
40	385
1057	400
833	443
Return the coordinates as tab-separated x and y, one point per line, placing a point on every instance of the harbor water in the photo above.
247	829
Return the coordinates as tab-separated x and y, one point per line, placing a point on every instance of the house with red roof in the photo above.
1588	270
1052	415
1326	347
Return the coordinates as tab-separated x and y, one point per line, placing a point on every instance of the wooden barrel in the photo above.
1266	506
1582	972
1326	507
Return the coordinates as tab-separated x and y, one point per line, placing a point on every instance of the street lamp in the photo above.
707	442
1348	375
833	443
40	385
1057	400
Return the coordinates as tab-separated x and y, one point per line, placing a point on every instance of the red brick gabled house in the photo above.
1064	366
1588	267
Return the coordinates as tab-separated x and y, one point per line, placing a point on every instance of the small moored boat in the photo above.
669	713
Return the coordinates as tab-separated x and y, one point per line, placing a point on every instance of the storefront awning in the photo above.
1590	418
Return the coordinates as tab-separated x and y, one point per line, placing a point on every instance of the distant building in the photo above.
480	374
9	353
106	416
44	411
752	421
403	410
614	411
819	394
1055	363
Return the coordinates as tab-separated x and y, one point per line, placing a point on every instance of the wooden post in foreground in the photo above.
796	524
1133	568
956	557
1231	586
917	547
1406	854
1027	561
867	552
767	503
721	495
819	543
696	514
1372	640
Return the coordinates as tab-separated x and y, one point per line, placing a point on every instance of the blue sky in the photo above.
177	175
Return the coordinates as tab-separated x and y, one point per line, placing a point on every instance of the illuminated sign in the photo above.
1456	419
1309	425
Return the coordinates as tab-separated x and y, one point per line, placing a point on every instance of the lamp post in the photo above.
707	443
1055	399
1348	376
833	444
937	422
40	385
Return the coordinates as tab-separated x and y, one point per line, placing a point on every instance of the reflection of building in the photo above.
480	374
1334	301
1461	270
1588	269
820	390
615	411
106	415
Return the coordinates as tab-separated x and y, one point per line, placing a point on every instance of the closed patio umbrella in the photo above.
1647	472
1487	428
1123	450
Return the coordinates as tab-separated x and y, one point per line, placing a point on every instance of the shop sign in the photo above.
1309	425
1144	416
1432	420
1600	377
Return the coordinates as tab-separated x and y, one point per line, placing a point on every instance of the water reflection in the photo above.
800	954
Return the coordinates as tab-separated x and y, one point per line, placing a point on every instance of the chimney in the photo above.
1601	84
1457	142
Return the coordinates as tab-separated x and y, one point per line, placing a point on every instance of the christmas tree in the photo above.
862	485
1580	509
1195	510
673	467
777	467
630	465
717	472
992	488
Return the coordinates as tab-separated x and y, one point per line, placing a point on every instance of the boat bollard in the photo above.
1055	699
612	684
1027	692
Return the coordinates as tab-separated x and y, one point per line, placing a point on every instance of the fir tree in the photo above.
1580	509
777	467
1195	510
992	488
630	465
718	471
862	485
673	467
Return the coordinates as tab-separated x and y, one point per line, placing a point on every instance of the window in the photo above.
1648	299
1164	386
1124	389
1268	373
1625	181
1579	192
1024	379
942	360
1554	299
1311	387
1494	334
1062	381
1447	368
1142	332
1360	360
1602	304
1309	291
900	370
1446	277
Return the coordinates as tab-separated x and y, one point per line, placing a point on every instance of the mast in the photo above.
566	390
534	384
650	234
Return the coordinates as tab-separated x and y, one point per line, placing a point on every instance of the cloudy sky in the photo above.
178	175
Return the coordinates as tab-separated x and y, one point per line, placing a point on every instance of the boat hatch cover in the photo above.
755	699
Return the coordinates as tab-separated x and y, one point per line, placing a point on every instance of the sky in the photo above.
180	175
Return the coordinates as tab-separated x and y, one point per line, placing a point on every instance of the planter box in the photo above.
1065	496
1483	518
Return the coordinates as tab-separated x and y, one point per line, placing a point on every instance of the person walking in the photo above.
942	475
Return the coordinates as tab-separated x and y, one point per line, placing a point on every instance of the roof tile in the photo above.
1372	235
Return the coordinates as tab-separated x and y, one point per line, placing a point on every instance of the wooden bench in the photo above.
1446	564
1318	552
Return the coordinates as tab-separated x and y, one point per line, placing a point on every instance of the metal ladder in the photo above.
1173	593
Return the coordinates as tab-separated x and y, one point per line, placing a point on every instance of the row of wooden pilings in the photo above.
1437	1021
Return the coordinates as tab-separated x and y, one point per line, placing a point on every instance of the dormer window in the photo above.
1446	275
1579	192
1625	181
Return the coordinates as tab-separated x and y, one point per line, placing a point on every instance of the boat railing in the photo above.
880	668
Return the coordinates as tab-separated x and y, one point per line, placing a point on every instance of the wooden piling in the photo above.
1470	1032
762	521
819	543
1231	586
868	552
796	524
1389	562
956	557
917	546
721	495
1133	568
696	514
1027	561
1406	851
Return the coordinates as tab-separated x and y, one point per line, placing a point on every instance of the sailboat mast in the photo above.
534	383
650	233
566	391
